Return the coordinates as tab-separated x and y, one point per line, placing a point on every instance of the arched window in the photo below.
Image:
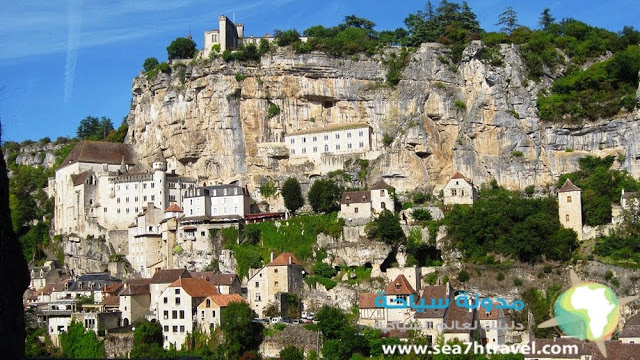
566	217
568	199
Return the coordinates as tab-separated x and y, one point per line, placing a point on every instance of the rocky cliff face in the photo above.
14	278
474	118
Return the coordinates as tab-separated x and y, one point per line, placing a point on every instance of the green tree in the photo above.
291	353
147	340
358	22
386	227
508	19
77	343
292	195
546	20
92	128
181	48
288	37
241	334
119	135
331	320
324	195
149	64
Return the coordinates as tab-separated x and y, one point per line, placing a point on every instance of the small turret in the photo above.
159	163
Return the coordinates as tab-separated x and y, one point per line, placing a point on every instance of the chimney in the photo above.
291	260
272	256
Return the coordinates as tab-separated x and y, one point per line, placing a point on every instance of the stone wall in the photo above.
118	345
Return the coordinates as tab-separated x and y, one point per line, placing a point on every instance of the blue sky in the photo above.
64	60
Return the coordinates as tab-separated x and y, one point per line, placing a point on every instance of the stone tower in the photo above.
159	178
570	207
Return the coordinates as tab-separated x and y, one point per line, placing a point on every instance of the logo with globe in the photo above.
587	311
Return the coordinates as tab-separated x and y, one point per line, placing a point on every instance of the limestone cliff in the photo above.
14	278
211	118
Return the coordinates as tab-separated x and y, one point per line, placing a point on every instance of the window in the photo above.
213	313
144	198
326	137
360	133
201	233
566	217
257	284
276	283
429	324
315	149
174	314
355	210
177	301
166	328
361	144
304	139
166	314
118	201
208	303
315	138
326	148
337	136
136	210
258	297
172	198
127	210
144	186
177	291
166	300
175	328
136	199
126	200
153	185
453	192
337	146
349	146
382	192
105	209
383	205
349	134
181	328
151	229
568	199
461	192
181	314
293	141
153	197
293	151
304	150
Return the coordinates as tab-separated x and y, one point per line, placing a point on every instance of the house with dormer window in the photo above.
460	190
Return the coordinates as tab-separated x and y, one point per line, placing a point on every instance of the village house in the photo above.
358	206
269	284
224	283
209	311
177	307
89	285
431	320
460	190
159	282
492	325
630	333
43	275
134	301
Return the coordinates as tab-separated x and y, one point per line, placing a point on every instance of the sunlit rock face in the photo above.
212	119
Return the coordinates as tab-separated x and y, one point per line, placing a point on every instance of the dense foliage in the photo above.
623	244
241	334
600	186
77	343
324	195
181	48
508	223
259	240
147	340
92	128
150	63
292	195
386	228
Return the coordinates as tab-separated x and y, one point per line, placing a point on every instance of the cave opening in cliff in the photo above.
327	104
390	261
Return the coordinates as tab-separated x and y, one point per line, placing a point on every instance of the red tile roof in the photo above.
494	314
355	197
113	288
225	300
435	292
174	208
456	317
458	175
223	279
400	286
285	259
197	288
110	301
367	301
100	152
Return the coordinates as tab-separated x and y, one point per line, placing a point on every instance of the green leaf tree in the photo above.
241	334
324	195
291	353
80	344
149	64
147	340
386	227
181	48
288	37
292	194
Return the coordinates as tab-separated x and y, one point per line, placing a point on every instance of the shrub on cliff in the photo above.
149	64
181	48
292	194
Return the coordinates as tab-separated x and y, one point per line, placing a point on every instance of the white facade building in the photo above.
460	190
337	139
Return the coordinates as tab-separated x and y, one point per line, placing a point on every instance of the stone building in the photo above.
101	186
570	207
218	202
630	333
209	312
135	301
335	139
364	205
282	275
145	241
228	36
460	190
177	307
